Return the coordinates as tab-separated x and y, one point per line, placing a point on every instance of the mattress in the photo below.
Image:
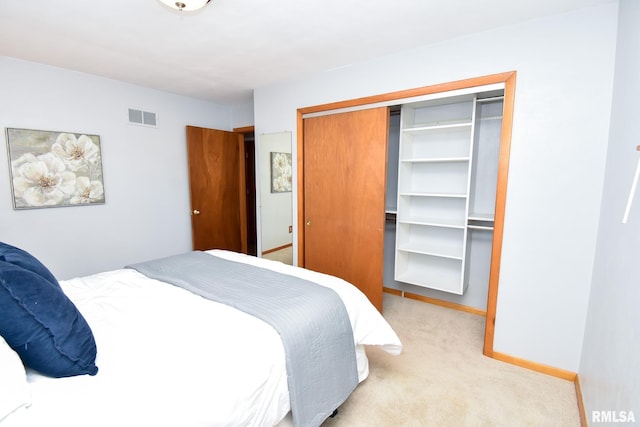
167	357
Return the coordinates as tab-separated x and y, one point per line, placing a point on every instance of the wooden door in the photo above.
345	164
217	186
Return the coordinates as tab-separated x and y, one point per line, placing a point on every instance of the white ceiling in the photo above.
232	46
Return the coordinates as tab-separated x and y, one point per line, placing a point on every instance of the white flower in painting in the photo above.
282	183
77	153
280	161
42	180
281	172
87	191
25	158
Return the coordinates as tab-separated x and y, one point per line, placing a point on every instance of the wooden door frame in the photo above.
509	81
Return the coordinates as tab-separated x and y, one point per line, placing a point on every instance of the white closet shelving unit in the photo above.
436	146
447	174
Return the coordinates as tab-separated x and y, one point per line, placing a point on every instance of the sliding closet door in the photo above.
345	161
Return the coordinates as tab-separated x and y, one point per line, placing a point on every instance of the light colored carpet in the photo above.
442	379
284	255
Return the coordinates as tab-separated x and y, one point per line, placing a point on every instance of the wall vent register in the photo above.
144	118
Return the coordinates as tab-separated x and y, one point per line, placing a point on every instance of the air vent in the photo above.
144	118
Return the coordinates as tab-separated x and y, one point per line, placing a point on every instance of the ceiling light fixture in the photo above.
186	5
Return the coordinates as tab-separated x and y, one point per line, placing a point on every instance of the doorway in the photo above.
248	135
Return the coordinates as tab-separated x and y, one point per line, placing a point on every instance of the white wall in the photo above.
146	213
609	372
242	115
563	99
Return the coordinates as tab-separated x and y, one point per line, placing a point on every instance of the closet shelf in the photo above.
478	221
441	126
433	222
438	253
436	160
474	216
444	195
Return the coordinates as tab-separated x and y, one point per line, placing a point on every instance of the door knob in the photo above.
309	222
195	212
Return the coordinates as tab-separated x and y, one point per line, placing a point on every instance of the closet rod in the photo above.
493	98
479	227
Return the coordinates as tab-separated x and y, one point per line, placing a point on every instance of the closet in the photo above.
445	188
444	202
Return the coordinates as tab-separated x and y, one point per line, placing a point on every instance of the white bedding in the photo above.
167	357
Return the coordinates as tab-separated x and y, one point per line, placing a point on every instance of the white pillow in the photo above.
14	390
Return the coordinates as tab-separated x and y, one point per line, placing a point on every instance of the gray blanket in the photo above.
311	319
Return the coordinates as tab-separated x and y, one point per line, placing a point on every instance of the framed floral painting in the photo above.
280	172
54	169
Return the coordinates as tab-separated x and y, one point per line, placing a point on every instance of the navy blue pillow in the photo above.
17	256
43	326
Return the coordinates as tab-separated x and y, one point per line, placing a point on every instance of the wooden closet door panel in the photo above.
217	183
345	163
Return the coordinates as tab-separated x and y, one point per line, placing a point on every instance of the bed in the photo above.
166	356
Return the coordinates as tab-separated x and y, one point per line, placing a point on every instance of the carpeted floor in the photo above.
442	379
283	255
